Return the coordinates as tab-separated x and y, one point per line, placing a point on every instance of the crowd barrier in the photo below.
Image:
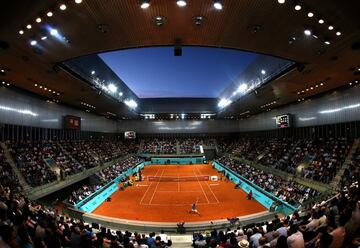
266	199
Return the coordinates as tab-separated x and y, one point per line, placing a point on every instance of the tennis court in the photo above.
168	191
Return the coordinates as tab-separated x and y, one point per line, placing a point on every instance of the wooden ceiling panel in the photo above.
253	25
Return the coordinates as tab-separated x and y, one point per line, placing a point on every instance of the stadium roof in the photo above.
328	57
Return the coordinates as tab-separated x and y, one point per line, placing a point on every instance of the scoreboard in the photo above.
130	135
72	122
283	121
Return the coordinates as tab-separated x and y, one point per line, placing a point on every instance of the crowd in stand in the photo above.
38	160
29	157
26	224
334	223
190	145
159	146
103	177
289	191
323	156
352	172
7	177
329	155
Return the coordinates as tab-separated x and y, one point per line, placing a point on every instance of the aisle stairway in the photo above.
178	150
337	179
141	146
15	169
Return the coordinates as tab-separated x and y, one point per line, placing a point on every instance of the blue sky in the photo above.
156	72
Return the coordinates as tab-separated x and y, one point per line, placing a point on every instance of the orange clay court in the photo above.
171	201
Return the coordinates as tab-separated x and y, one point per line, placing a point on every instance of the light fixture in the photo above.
292	40
281	1
53	32
310	14
33	42
331	27
242	88
121	94
40	86
78	1
130	103
338	33
159	20
62	7
307	32
112	88
327	42
92	72
263	72
28	26
49	14
224	102
144	4
35	85
38	20
181	3
21	31
297	7
218	5
315	35
321	21
198	20
44	37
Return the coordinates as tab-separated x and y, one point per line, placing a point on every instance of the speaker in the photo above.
177	51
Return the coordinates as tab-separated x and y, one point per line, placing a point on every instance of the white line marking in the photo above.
214	184
209	188
178	204
184	191
178	183
148	188
152	197
201	186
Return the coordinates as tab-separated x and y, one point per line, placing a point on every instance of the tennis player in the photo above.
194	209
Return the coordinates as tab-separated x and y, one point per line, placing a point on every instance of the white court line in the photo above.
180	204
148	188
183	191
209	188
201	186
156	187
178	183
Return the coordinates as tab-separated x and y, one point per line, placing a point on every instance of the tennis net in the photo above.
178	179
